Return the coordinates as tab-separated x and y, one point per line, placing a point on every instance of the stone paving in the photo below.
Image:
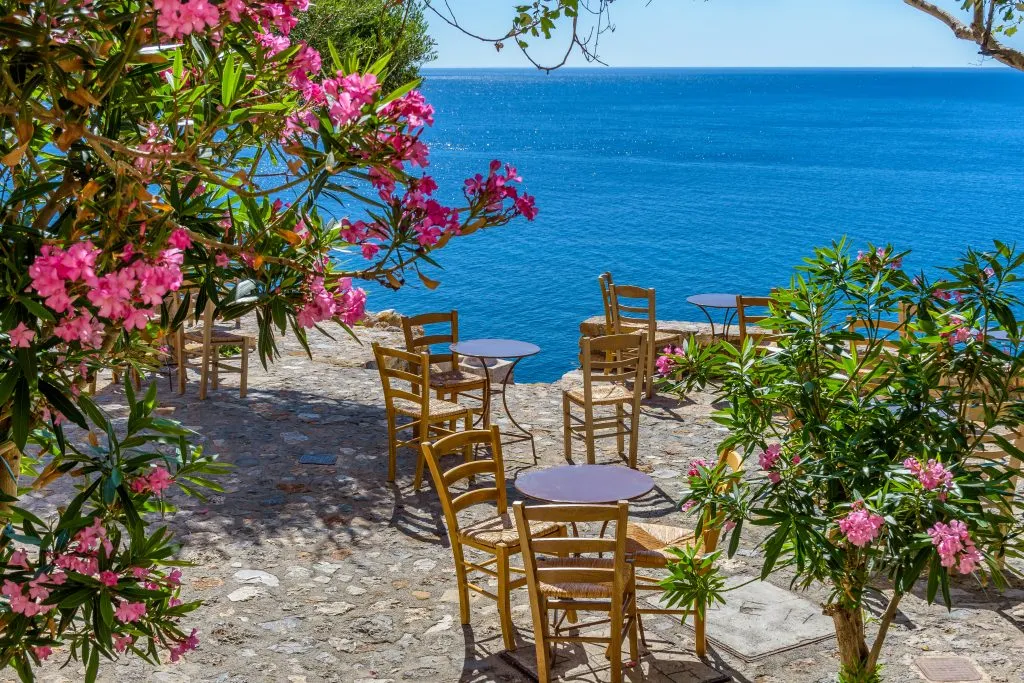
328	573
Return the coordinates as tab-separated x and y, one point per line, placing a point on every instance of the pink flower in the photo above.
174	578
42	651
140	572
688	505
774	477
796	459
861	526
121	643
128	612
18	559
989	272
179	239
21	336
931	475
695	466
190	643
176	19
108	578
665	363
221	259
10	589
768	458
955	547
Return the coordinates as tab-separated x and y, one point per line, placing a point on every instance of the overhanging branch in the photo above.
976	32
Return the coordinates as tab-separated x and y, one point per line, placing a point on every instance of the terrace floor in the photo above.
328	573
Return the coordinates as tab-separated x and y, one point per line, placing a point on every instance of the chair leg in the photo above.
615	646
541	633
620	428
566	428
468	453
700	644
215	366
504	599
634	618
422	437
243	386
649	372
634	433
181	359
462	582
588	427
392	446
204	374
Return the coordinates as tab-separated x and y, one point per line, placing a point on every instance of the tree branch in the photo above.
976	33
883	627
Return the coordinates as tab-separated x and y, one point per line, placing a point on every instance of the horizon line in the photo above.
948	67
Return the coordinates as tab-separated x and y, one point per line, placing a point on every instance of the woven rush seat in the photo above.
454	378
217	336
602	393
502	529
577	590
438	408
648	543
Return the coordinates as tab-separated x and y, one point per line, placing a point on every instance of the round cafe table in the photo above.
726	302
584	484
494	349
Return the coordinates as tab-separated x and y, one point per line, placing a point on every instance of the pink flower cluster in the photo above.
495	189
880	254
183	646
126	295
346	303
931	474
861	526
177	18
768	459
157	481
956	549
666	362
695	466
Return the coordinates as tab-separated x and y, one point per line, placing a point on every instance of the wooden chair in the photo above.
883	335
573	574
605	282
989	453
429	415
647	544
617	381
213	339
450	383
745	318
634	311
494	535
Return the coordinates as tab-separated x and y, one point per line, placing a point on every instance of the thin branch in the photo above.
989	47
883	627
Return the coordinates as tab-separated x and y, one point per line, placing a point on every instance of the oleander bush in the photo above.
146	145
868	442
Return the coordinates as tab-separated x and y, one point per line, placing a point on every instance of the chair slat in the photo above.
468	469
474	497
562	546
571	513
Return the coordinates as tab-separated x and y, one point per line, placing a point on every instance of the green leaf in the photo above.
93	667
21	415
228	81
58	400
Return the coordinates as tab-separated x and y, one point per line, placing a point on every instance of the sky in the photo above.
700	33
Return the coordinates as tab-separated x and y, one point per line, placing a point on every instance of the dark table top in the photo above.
584	484
495	348
713	300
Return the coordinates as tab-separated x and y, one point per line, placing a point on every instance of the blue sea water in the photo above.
707	181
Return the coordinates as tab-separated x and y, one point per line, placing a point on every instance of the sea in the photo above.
707	180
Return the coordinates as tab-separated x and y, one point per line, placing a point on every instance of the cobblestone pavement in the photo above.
328	573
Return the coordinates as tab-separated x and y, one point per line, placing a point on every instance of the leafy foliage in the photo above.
868	434
366	30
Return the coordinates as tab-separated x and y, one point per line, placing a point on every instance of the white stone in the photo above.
294	437
257	576
424	565
443	625
333	609
243	593
355	590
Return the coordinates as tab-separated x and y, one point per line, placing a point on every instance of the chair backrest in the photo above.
711	529
493	468
571	559
605	281
633	309
399	368
745	317
991	452
883	333
448	334
613	358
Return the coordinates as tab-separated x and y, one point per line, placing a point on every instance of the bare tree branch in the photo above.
978	32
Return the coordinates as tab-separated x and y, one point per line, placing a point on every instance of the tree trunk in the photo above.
853	647
12	457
